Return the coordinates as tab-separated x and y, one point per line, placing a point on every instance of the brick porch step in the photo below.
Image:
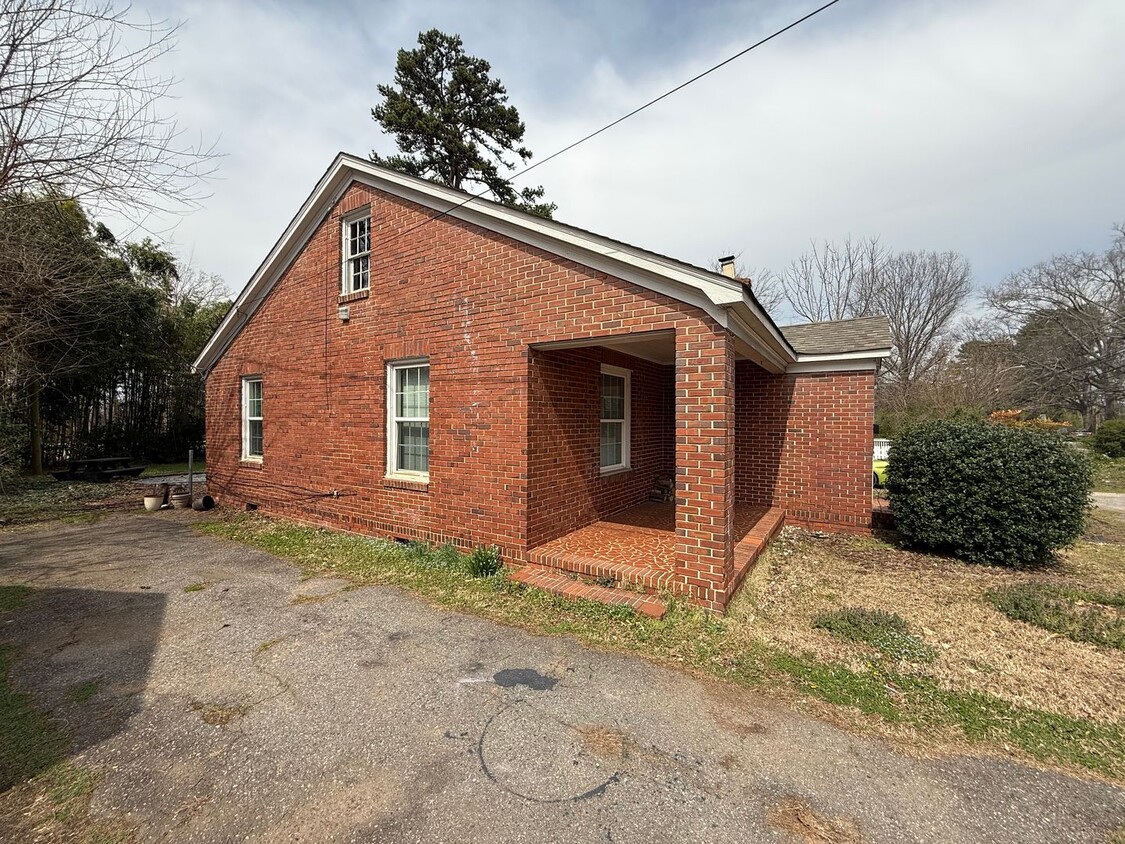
554	581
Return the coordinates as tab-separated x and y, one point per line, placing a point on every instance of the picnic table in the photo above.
99	469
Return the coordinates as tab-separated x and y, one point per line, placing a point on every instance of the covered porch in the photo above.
666	513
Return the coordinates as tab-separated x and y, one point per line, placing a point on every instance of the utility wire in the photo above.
625	117
235	307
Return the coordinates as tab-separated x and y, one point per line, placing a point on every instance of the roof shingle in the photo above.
865	334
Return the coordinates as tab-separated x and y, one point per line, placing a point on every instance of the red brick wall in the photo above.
705	462
566	488
805	444
472	301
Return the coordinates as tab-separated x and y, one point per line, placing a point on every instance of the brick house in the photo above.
406	363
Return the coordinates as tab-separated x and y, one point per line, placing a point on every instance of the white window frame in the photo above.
626	423
393	471
247	419
346	275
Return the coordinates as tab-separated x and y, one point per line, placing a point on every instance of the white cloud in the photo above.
992	128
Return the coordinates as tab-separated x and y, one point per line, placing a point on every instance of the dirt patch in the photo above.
797	818
943	600
603	742
219	716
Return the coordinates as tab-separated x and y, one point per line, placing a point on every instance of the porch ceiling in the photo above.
656	346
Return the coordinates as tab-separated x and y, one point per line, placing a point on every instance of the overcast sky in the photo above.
995	128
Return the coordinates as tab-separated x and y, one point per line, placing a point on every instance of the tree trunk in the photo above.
35	426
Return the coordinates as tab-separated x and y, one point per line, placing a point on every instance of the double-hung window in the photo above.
615	419
408	418
252	418
357	254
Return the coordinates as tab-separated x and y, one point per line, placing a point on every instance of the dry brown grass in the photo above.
797	818
978	648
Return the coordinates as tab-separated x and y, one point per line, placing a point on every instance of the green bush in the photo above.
887	632
1078	614
988	493
1110	438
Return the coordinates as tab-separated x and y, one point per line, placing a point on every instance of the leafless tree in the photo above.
1067	320
82	111
201	287
764	283
921	293
831	280
983	373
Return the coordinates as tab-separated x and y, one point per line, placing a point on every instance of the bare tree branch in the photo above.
82	111
1066	317
829	281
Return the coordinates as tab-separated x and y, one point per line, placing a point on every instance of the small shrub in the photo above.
1078	614
887	632
483	561
1110	438
988	493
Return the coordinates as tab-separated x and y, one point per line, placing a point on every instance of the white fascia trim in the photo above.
279	258
869	354
840	364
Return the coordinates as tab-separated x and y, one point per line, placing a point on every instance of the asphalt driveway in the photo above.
265	708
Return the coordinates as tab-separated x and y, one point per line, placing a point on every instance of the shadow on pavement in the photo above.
83	655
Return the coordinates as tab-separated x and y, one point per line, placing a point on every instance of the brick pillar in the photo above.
705	471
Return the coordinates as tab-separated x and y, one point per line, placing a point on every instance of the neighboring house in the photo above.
410	364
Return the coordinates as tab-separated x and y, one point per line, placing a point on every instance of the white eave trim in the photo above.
845	362
700	288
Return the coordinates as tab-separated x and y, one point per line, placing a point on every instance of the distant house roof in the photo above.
865	334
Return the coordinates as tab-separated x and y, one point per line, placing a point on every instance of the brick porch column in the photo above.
705	471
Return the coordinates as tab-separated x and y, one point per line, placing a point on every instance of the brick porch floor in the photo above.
638	545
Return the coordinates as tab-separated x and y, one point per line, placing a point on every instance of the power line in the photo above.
625	117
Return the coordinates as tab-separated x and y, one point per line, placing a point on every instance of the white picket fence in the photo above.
882	449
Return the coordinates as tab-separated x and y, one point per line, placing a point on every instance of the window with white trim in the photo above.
408	418
252	418
357	254
615	418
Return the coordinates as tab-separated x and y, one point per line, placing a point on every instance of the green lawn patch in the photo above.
156	470
31	499
83	692
690	637
1079	614
887	632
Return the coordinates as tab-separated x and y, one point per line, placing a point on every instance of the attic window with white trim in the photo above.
357	254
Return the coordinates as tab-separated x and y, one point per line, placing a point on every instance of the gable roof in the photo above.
728	301
841	336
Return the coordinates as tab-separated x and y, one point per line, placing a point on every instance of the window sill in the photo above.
616	470
354	296
412	482
251	462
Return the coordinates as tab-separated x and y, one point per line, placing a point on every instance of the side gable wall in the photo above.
470	300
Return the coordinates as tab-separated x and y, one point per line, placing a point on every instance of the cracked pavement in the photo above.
267	708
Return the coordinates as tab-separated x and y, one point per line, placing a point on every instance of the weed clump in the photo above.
1078	614
887	632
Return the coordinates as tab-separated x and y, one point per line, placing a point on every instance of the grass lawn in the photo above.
879	639
1109	475
154	470
30	499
